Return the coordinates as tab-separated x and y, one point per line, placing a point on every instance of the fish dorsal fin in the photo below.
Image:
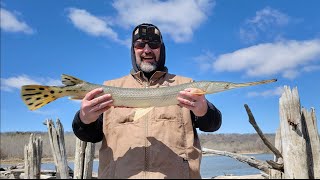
70	80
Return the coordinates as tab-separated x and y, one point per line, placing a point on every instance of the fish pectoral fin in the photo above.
198	91
140	112
76	98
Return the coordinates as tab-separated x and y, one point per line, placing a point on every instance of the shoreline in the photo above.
18	161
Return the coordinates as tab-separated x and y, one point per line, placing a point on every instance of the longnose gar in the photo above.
36	96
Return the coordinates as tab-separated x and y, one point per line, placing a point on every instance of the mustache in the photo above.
147	56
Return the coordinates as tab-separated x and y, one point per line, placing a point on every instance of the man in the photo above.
163	142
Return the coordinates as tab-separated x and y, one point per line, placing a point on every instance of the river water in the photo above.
210	166
221	165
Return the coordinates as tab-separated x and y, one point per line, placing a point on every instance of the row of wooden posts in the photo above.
83	163
296	150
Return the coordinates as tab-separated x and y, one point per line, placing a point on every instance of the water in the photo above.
210	166
220	165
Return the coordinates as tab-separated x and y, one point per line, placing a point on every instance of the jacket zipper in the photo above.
146	165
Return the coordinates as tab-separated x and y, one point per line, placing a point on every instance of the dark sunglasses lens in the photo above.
154	45
139	45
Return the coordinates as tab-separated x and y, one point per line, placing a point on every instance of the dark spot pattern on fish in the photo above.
31	94
31	89
41	89
27	99
46	95
30	104
38	104
38	98
48	102
52	92
60	92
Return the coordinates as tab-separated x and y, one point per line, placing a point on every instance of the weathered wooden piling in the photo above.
299	138
292	139
32	158
83	163
312	141
56	138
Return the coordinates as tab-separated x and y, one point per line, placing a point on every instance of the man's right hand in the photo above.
93	105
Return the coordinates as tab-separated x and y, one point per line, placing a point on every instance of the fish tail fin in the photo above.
236	85
36	96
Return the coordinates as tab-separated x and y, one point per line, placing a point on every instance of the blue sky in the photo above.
237	41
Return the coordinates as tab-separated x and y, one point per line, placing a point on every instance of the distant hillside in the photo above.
237	143
12	144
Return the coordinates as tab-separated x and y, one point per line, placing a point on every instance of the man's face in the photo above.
147	55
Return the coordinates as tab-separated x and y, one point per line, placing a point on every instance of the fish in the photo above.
37	96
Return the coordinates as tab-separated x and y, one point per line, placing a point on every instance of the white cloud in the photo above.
10	23
265	24
311	68
288	58
273	92
178	18
96	26
11	83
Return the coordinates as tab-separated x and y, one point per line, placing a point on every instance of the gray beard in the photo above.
147	67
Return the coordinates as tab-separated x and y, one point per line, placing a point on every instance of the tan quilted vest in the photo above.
160	144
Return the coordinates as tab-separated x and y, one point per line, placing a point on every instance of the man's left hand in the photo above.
197	103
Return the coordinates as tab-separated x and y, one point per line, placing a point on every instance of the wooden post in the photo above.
56	138
83	164
313	143
292	140
274	173
32	158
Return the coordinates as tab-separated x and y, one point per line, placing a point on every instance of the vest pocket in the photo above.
169	113
117	116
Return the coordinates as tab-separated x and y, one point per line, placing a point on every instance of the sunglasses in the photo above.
141	44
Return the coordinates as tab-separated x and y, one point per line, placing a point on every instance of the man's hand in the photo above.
197	103
93	105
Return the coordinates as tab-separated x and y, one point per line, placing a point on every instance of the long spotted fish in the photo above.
36	96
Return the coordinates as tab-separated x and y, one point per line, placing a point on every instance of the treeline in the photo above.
12	143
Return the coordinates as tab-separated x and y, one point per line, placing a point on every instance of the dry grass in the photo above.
12	144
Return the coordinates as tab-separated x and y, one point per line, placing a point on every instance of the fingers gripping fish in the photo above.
36	96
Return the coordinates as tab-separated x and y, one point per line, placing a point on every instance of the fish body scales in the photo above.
144	97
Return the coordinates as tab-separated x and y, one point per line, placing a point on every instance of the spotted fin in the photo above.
36	96
70	80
